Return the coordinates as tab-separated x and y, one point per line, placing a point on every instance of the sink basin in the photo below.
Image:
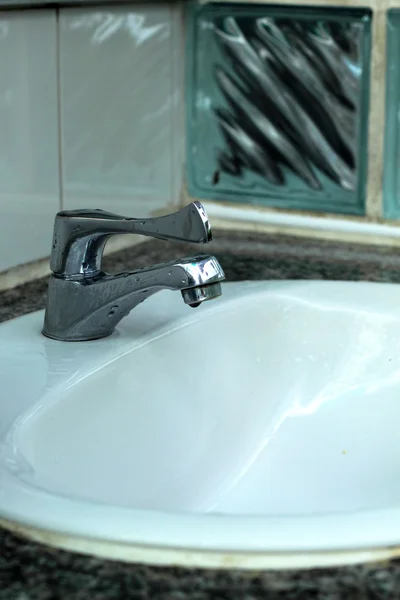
258	430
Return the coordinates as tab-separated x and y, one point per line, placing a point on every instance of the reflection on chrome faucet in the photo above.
84	303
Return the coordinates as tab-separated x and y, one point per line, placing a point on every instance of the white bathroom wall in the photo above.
29	177
121	107
90	116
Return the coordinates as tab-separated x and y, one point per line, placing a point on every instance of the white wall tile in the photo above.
121	91
29	178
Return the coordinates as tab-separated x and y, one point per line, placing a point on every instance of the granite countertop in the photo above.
30	571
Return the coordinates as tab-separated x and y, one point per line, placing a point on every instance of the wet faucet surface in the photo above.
84	303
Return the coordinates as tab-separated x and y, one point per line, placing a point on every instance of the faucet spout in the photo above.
195	296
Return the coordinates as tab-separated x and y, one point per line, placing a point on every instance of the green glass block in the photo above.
277	105
391	180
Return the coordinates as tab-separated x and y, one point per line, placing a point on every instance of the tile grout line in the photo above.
172	123
376	113
182	32
59	112
178	100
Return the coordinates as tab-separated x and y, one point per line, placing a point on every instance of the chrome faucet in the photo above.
84	303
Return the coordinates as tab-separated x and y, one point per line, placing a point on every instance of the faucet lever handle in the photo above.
80	236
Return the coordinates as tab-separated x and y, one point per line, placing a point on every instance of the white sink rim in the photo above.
204	539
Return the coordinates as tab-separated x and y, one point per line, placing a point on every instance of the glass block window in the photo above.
277	105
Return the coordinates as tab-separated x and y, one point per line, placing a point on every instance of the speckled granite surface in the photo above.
29	571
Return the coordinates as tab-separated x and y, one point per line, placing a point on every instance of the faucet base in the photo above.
80	339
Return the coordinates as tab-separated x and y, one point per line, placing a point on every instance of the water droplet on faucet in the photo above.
112	311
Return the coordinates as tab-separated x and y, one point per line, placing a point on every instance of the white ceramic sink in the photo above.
261	426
